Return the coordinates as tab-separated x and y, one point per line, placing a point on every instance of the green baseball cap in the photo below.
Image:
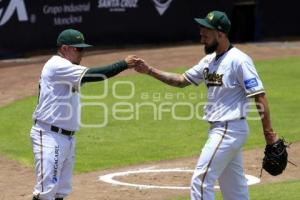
216	20
73	38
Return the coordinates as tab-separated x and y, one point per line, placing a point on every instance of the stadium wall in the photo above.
33	25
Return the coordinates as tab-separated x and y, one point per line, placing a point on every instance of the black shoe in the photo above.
35	198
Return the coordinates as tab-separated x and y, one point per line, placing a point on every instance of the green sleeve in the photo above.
104	72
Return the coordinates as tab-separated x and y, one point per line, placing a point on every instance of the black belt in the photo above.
58	130
62	131
241	118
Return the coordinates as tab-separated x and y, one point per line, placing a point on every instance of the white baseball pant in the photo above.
221	159
54	159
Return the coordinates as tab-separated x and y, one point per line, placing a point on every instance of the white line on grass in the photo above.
109	178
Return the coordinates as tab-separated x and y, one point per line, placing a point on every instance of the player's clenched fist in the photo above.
133	61
143	67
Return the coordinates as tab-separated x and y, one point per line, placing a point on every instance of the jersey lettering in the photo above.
212	79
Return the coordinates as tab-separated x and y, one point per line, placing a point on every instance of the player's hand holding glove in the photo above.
276	157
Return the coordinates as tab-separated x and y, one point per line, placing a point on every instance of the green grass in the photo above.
285	191
146	139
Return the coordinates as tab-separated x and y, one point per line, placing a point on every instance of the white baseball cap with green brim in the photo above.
72	37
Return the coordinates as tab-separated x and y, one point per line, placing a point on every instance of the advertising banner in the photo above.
33	25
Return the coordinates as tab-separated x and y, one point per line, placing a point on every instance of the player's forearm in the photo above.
104	72
264	112
173	79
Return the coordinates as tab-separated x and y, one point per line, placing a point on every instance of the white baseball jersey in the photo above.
230	79
59	102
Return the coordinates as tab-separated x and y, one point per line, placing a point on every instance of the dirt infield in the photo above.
16	181
19	78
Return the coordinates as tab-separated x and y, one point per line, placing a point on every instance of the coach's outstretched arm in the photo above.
264	112
173	79
105	72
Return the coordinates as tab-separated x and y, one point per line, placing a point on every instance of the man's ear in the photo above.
64	47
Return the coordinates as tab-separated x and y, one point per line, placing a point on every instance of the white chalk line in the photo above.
109	178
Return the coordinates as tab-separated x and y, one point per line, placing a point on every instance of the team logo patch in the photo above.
250	83
210	16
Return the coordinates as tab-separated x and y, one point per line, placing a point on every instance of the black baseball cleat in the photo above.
35	198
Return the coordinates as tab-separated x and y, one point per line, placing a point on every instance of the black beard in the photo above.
212	48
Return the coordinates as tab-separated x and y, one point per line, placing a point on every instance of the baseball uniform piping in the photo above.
255	93
81	76
42	166
189	79
205	173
